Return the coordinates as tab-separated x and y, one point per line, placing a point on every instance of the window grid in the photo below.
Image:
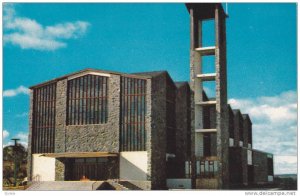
133	110
87	100
43	125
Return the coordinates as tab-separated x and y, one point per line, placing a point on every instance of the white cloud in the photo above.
21	135
8	144
15	92
23	138
5	134
274	125
285	164
29	34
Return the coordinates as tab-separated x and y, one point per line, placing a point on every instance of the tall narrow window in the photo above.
270	166
87	100
133	112
43	122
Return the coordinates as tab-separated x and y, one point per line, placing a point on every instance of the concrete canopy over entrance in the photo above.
80	154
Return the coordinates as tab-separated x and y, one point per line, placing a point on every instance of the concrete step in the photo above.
65	186
129	185
117	185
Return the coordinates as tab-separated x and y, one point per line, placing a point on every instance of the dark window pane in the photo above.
132	132
87	100
43	122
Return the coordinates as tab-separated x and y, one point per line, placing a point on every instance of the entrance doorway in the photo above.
88	169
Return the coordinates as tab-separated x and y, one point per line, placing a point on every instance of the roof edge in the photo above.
86	70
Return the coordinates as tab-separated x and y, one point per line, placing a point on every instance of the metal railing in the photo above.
207	167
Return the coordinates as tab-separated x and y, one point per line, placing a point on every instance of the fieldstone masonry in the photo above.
100	137
238	124
148	127
60	168
60	117
260	160
183	128
158	132
29	156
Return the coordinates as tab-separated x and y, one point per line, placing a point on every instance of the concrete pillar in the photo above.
221	97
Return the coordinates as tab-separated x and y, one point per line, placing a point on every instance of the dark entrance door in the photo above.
90	168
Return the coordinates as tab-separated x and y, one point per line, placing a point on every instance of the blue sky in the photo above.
44	41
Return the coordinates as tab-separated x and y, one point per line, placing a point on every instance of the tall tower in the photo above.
209	143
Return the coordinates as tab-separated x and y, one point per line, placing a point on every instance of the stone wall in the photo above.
260	162
183	140
235	166
245	166
29	156
247	130
238	167
148	126
193	158
158	131
113	168
238	124
60	169
230	122
92	138
88	138
60	118
170	115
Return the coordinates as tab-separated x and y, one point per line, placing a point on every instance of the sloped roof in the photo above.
87	71
237	112
151	73
181	84
247	117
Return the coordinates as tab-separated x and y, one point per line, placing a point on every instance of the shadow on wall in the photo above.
130	170
106	186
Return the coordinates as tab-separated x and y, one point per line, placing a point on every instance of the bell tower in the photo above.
209	139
